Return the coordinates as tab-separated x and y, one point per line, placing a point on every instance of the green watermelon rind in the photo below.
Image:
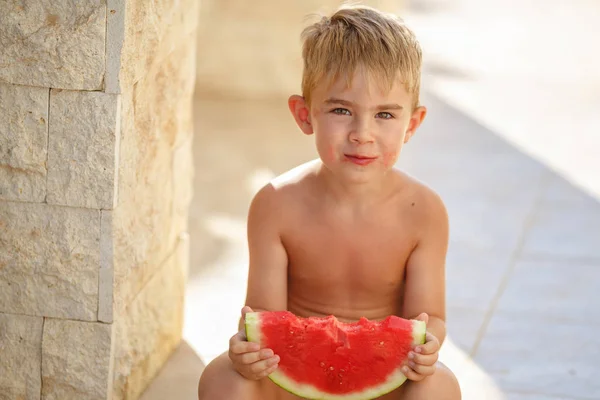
396	379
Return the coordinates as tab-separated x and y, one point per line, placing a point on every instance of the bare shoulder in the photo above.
297	178
276	201
290	186
426	205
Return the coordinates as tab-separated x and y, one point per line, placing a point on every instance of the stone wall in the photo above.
251	49
95	177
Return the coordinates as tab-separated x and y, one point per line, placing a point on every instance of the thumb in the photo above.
423	317
246	310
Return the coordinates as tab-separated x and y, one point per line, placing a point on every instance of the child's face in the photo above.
359	130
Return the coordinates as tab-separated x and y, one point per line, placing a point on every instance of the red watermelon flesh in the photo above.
323	358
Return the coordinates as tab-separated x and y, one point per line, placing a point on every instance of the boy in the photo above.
347	234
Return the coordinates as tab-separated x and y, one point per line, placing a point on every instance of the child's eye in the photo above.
340	111
385	115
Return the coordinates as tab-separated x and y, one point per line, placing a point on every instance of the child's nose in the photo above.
361	132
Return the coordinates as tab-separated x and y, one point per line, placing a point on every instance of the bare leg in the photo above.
442	385
219	381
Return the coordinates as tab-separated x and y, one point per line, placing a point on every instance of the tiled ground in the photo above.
512	143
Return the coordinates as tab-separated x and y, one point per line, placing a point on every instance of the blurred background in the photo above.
511	142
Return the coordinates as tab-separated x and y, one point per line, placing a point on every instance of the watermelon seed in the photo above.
331	368
381	343
342	370
322	364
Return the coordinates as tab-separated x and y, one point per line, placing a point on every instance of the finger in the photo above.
237	345
252	357
423	370
411	374
268	371
240	336
246	310
260	366
431	345
423	317
423	359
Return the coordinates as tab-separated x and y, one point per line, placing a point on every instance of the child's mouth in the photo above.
360	160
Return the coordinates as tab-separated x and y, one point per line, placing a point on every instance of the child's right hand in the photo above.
249	360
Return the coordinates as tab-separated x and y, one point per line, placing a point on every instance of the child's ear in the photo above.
301	114
416	119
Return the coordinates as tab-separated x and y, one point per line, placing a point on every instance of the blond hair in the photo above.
355	36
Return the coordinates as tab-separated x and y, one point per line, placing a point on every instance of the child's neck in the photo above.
356	195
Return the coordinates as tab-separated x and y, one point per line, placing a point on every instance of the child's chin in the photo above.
359	175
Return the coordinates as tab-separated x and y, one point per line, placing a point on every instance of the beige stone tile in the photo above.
564	233
562	291
76	358
106	273
115	36
150	328
183	190
562	193
536	396
155	126
474	275
21	357
535	355
463	326
49	260
23	142
168	28
83	148
53	43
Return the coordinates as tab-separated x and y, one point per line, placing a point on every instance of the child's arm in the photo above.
425	270
267	275
425	286
267	282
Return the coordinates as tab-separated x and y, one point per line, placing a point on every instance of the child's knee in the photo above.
220	381
449	382
442	385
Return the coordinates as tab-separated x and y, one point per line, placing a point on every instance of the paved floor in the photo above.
512	143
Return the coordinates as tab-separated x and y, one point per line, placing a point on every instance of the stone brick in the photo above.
106	273
183	176
155	122
49	260
82	154
76	359
115	35
53	43
150	328
23	142
149	37
20	357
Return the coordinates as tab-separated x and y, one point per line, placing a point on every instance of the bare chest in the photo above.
362	258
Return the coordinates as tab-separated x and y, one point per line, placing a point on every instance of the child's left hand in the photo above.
422	359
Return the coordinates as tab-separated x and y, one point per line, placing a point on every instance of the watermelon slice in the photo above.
325	359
